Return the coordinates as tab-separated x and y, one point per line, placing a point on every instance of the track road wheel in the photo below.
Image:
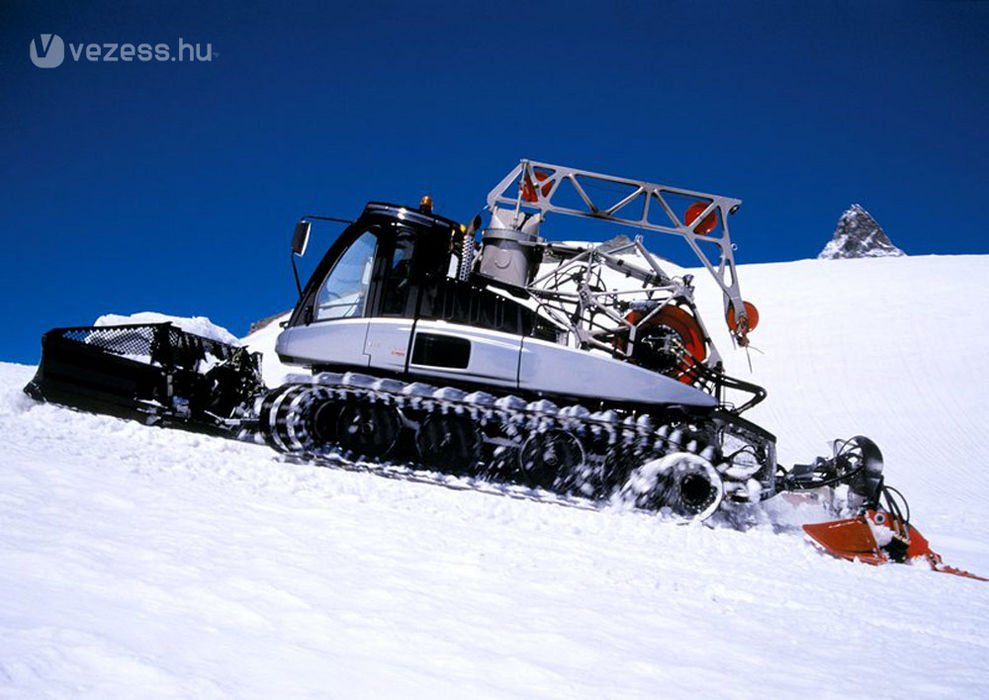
550	457
682	483
369	429
619	462
324	420
449	441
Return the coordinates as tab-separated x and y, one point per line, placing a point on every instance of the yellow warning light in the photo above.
426	204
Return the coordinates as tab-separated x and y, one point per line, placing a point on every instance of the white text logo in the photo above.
50	52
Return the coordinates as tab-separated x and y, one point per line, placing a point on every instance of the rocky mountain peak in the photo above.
858	235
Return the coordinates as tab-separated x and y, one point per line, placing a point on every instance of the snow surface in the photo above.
140	562
273	372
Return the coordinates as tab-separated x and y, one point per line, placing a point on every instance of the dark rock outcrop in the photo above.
858	235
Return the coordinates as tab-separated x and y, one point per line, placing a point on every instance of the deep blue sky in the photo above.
174	186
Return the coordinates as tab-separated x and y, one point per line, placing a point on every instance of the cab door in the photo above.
389	331
336	329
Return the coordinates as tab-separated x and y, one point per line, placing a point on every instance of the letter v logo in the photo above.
49	52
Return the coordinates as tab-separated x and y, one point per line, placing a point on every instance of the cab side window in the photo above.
397	285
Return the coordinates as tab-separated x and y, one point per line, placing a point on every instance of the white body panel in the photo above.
339	341
492	357
553	368
387	343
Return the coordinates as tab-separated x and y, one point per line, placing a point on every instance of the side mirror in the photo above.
300	237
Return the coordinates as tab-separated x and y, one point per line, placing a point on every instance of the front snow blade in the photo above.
877	537
155	373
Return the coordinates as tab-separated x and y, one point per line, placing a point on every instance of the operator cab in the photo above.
380	266
393	293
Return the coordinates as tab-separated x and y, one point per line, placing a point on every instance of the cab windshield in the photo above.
344	292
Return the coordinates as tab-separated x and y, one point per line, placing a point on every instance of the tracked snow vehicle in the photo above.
575	368
581	370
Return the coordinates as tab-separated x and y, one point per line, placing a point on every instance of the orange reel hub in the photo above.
709	223
751	313
684	325
529	193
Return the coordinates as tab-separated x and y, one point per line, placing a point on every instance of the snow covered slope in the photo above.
139	562
891	348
